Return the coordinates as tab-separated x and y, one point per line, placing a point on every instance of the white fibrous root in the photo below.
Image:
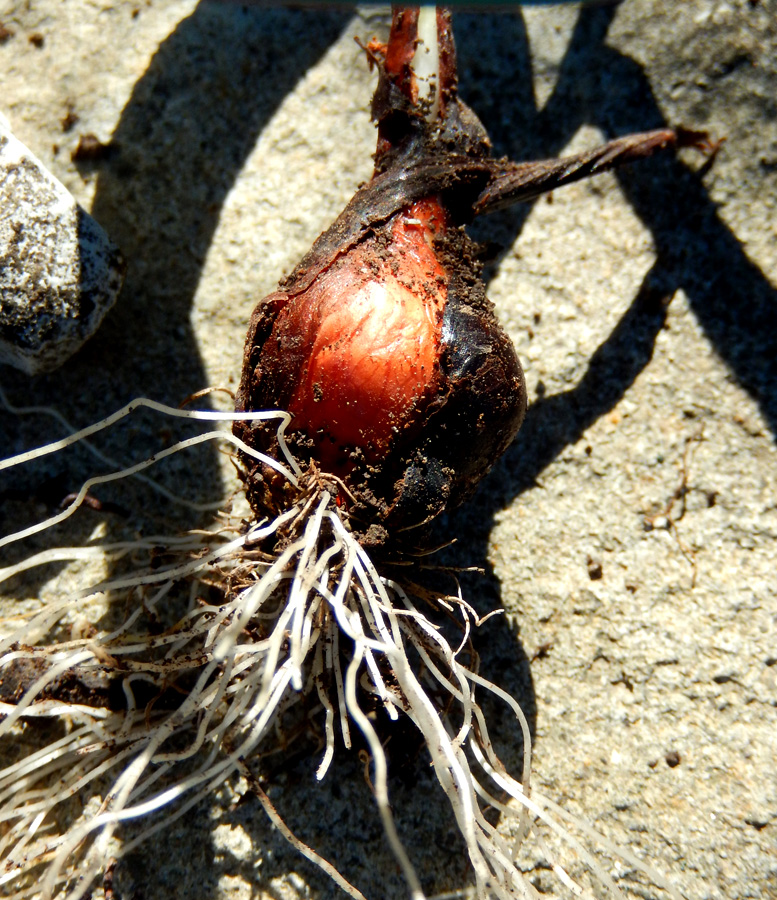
247	625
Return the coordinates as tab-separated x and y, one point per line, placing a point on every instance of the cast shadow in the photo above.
732	299
160	185
184	136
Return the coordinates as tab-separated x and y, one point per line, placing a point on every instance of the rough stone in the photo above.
59	271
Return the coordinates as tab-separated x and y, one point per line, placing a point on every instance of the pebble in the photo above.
59	271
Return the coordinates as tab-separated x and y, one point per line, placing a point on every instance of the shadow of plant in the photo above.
183	137
732	299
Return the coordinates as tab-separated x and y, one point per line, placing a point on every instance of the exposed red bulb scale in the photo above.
365	340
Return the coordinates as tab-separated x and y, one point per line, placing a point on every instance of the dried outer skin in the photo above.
480	406
98	688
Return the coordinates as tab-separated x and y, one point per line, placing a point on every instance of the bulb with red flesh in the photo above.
396	372
382	344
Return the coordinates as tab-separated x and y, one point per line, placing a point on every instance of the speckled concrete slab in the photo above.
629	532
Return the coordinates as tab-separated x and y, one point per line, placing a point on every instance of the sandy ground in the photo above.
629	532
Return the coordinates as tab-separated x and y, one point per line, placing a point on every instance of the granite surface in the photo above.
630	532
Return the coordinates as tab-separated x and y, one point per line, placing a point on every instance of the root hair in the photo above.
310	618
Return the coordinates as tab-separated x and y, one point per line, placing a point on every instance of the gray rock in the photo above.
59	271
